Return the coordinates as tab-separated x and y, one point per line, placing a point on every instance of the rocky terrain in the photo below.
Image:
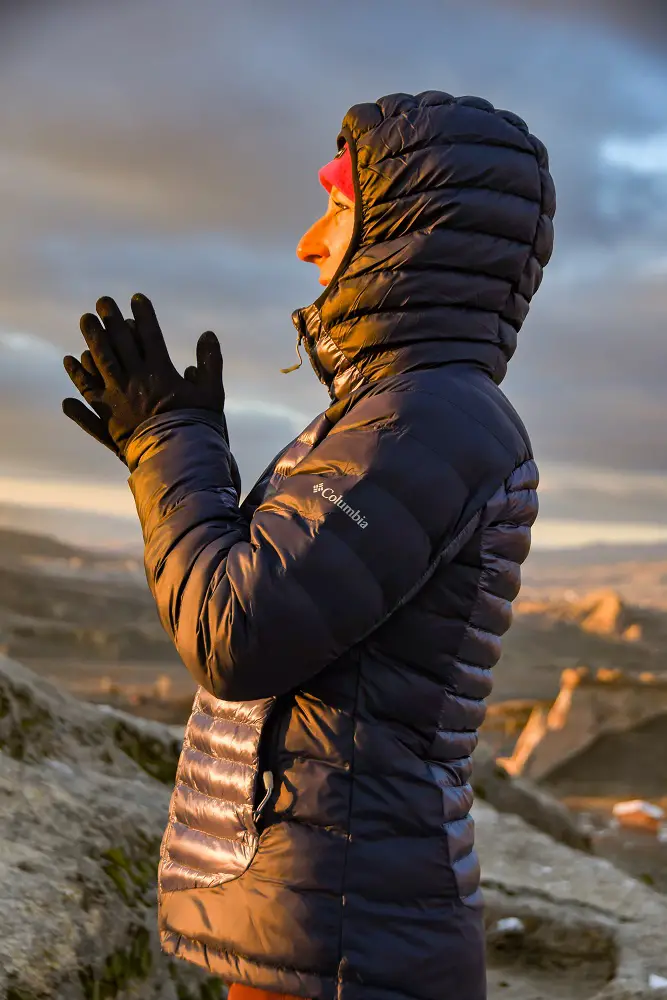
606	732
83	802
84	788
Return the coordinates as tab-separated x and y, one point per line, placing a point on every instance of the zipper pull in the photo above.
298	325
267	778
293	368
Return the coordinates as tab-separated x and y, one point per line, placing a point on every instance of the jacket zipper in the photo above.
267	778
269	752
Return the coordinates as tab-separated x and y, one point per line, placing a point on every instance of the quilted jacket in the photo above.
343	622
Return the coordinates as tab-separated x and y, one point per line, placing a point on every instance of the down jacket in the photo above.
343	622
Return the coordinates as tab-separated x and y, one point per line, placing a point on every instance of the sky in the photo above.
173	148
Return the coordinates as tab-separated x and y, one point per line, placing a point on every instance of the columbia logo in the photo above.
337	499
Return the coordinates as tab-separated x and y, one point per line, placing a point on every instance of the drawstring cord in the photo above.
286	371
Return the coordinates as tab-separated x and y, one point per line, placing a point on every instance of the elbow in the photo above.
237	685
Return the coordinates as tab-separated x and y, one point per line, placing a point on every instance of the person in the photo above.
343	622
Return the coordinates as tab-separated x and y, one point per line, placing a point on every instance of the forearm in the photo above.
182	479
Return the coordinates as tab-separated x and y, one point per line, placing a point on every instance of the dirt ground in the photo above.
515	980
638	852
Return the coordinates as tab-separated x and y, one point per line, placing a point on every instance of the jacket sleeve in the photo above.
257	608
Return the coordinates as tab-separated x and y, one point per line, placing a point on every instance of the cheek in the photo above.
340	238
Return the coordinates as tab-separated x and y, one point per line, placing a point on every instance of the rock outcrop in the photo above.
563	925
521	797
601	612
595	712
84	796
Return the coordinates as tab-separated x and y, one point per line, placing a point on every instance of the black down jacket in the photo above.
343	622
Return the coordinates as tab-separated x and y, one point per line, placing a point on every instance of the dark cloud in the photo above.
591	377
645	20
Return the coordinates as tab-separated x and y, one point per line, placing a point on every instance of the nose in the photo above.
311	247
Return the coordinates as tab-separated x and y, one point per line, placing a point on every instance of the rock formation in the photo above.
83	801
516	795
605	726
562	925
601	612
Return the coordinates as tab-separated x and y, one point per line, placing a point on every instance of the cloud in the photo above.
591	378
173	149
642	20
602	495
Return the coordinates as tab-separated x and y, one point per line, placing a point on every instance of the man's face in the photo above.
327	239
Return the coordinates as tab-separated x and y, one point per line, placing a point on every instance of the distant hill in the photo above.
16	544
599	554
78	529
597	629
66	602
637	572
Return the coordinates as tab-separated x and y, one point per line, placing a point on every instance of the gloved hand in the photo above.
127	376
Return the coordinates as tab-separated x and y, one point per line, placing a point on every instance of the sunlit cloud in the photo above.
72	495
27	344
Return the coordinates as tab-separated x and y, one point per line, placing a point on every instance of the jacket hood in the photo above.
453	226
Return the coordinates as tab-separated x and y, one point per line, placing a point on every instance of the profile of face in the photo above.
327	239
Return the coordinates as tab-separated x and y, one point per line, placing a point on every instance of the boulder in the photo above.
506	793
84	797
583	740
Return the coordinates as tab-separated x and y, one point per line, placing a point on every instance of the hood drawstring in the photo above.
286	371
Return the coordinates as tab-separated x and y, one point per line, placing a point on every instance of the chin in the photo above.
323	281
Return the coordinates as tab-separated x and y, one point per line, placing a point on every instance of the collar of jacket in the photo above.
436	272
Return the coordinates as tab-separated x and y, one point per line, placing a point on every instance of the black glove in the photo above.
127	376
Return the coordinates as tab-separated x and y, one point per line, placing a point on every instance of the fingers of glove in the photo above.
82	377
89	422
88	364
101	348
191	373
209	357
148	332
122	337
137	340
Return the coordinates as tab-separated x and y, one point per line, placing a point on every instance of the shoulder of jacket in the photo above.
435	405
